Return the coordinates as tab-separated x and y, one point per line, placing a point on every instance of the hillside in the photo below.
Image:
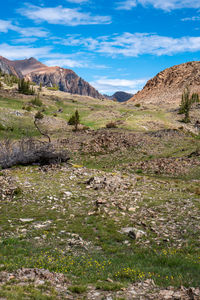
27	66
66	80
6	67
122	96
119	96
119	220
166	88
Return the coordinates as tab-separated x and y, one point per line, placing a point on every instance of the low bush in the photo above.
36	101
53	88
2	127
111	125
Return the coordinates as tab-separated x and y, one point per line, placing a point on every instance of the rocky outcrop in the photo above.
6	67
167	86
33	70
65	79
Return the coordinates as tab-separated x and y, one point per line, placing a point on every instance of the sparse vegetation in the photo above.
24	87
53	88
36	101
38	117
186	104
111	125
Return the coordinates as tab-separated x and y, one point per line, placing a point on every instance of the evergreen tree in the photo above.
75	120
24	87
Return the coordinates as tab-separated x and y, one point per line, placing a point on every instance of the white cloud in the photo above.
64	62
133	45
109	86
194	18
32	31
21	52
27	40
166	5
78	1
5	26
61	15
126	5
71	61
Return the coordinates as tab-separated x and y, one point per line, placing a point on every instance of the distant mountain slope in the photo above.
67	80
167	86
6	67
122	96
119	96
27	65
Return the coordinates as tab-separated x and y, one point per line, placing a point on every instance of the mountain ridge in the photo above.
32	69
167	86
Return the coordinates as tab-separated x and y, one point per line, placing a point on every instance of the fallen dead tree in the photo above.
31	151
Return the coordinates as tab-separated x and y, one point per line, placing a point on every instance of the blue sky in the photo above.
113	44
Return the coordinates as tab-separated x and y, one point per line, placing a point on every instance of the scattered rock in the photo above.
133	233
26	220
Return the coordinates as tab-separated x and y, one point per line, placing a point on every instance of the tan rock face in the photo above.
167	86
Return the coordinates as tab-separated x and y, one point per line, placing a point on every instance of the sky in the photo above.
116	45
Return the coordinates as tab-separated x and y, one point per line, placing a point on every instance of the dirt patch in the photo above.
172	166
105	141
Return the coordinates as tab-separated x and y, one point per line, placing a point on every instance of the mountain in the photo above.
6	67
33	70
67	80
27	65
119	96
167	86
122	96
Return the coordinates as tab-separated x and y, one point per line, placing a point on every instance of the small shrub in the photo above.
78	289
2	127
36	101
186	104
18	191
28	108
137	105
53	88
139	171
111	125
39	115
109	286
195	98
40	87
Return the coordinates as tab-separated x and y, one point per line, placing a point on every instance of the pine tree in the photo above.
75	120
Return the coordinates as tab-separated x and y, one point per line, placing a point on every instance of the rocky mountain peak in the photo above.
168	85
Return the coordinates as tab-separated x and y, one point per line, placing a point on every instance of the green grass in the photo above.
165	263
12	291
